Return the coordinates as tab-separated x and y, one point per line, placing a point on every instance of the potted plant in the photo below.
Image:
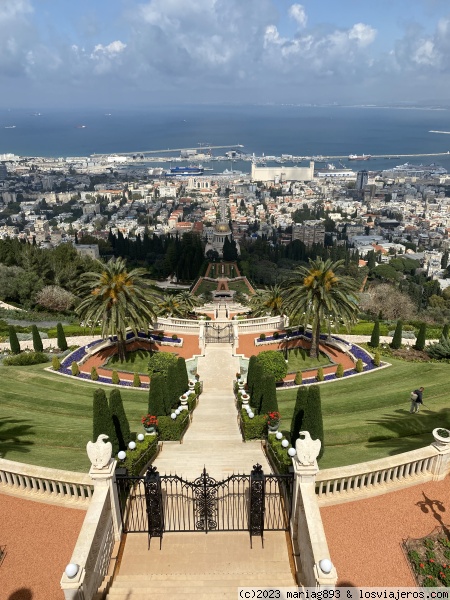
184	400
245	399
150	422
191	384
273	421
441	437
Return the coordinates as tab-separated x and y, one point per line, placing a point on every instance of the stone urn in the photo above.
441	438
241	384
191	384
245	399
184	402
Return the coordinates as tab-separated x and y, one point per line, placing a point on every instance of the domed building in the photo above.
216	241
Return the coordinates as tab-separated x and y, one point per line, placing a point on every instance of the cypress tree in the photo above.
420	341
94	374
269	401
183	379
119	419
375	337
102	421
136	380
257	389
397	338
13	340
251	373
37	342
312	420
299	413
61	337
339	370
320	374
115	377
156	404
173	385
359	366
445	331
298	378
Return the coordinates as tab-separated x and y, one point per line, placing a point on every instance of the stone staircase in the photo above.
201	566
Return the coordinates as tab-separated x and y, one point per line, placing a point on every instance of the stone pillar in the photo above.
106	477
441	465
72	587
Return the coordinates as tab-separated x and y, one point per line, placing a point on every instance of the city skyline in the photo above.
128	53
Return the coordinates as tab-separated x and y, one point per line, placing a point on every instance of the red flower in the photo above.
431	560
421	565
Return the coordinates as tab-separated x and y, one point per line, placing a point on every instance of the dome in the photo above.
222	228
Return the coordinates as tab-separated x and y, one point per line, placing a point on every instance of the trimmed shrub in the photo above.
375	337
115	377
159	362
298	378
279	454
340	370
269	401
253	429
94	374
56	363
421	336
312	420
136	380
174	337
102	422
262	337
119	419
276	335
75	368
37	342
25	358
13	340
156	403
257	391
251	372
445	330
298	415
144	452
182	375
172	389
61	336
169	429
376	359
320	376
397	338
273	362
438	351
359	367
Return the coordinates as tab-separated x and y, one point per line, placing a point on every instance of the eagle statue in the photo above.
307	449
99	453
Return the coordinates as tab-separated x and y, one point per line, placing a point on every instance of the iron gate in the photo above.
158	504
216	334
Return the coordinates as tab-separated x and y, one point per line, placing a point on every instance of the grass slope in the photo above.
368	417
47	420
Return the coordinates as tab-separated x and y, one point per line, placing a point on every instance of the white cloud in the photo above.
363	34
297	12
111	50
12	9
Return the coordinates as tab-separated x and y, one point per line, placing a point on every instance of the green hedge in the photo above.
281	459
138	459
169	429
25	359
253	429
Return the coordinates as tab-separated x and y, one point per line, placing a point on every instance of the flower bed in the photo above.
429	558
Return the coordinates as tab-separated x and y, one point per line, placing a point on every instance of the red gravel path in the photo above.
39	540
364	537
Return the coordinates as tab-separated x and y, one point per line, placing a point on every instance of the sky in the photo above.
129	53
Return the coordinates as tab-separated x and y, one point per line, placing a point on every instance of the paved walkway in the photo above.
213	440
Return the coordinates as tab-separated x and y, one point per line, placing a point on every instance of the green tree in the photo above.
397	338
182	376
156	397
340	370
359	366
375	337
75	369
37	342
376	359
13	340
117	299
251	372
115	377
94	374
119	419
300	407
61	337
273	362
269	301
313	421
257	388
298	378
269	401
172	391
420	341
102	421
445	331
320	293
320	374
136	380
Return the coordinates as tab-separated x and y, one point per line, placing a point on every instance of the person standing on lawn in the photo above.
416	400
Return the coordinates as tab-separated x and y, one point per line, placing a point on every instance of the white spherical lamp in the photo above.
251	414
279	435
292	452
173	416
285	443
141	437
122	455
71	570
325	565
132	445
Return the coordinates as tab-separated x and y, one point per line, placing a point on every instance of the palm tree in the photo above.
169	305
269	301
117	299
188	301
319	293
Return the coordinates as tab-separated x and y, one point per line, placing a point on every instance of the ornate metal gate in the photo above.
158	504
218	334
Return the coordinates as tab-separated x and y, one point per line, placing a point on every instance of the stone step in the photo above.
236	580
280	572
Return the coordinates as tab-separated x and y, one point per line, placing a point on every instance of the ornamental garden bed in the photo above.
429	557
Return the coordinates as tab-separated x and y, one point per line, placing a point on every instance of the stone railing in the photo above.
171	324
262	324
353	482
48	485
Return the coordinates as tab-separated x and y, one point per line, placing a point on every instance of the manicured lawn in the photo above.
368	417
299	360
239	286
46	419
136	361
205	287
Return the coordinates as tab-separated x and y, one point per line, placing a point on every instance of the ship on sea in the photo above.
359	157
411	170
185	171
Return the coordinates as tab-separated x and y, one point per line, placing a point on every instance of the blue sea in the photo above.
269	130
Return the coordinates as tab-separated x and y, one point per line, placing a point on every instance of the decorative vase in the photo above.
241	384
150	429
191	384
273	428
440	441
184	402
